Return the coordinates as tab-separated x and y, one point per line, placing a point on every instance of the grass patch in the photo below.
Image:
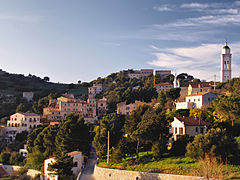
180	165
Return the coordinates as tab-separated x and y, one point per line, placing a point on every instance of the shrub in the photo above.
4	157
179	146
16	158
215	142
117	155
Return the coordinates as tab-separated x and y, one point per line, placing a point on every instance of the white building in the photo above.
200	99
185	105
196	100
78	161
135	74
23	151
49	175
28	95
20	122
163	86
226	61
78	164
187	126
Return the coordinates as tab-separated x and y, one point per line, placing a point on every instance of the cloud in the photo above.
210	19
194	5
162	8
202	61
237	3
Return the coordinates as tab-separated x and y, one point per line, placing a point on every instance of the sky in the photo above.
72	40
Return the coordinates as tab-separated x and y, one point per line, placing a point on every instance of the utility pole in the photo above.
214	82
108	147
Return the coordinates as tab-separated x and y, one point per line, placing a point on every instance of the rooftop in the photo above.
198	94
164	83
29	114
74	153
192	121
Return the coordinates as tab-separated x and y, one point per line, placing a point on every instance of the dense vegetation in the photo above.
13	85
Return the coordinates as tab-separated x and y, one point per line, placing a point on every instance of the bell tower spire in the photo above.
226	63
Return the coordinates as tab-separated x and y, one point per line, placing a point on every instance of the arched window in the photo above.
30	126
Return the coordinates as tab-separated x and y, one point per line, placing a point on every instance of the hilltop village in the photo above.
137	115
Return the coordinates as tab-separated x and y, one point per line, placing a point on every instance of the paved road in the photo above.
87	173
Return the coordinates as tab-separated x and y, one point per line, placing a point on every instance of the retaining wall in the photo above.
115	174
9	169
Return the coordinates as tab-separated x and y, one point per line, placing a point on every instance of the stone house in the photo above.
164	86
191	126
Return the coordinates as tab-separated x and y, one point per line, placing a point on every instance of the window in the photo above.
202	130
181	131
175	132
75	164
196	129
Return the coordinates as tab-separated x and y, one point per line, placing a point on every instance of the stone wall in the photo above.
115	174
9	169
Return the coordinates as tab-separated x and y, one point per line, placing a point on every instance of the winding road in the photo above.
87	173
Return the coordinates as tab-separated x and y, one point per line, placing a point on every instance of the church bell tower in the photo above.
226	62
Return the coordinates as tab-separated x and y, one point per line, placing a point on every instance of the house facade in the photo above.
191	126
194	88
196	100
20	122
200	99
163	73
163	86
63	106
94	90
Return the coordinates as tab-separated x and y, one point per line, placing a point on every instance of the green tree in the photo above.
63	167
16	158
73	135
21	137
21	108
38	106
31	137
215	143
229	106
114	124
4	157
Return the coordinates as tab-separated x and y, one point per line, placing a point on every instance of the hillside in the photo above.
13	85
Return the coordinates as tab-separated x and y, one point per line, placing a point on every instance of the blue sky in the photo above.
84	39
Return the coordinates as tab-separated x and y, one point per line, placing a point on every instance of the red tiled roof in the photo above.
192	121
29	114
2	172
73	153
198	94
200	85
164	83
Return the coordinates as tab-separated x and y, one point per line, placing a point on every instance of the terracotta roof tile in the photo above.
74	153
198	94
163	83
2	172
192	121
29	114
